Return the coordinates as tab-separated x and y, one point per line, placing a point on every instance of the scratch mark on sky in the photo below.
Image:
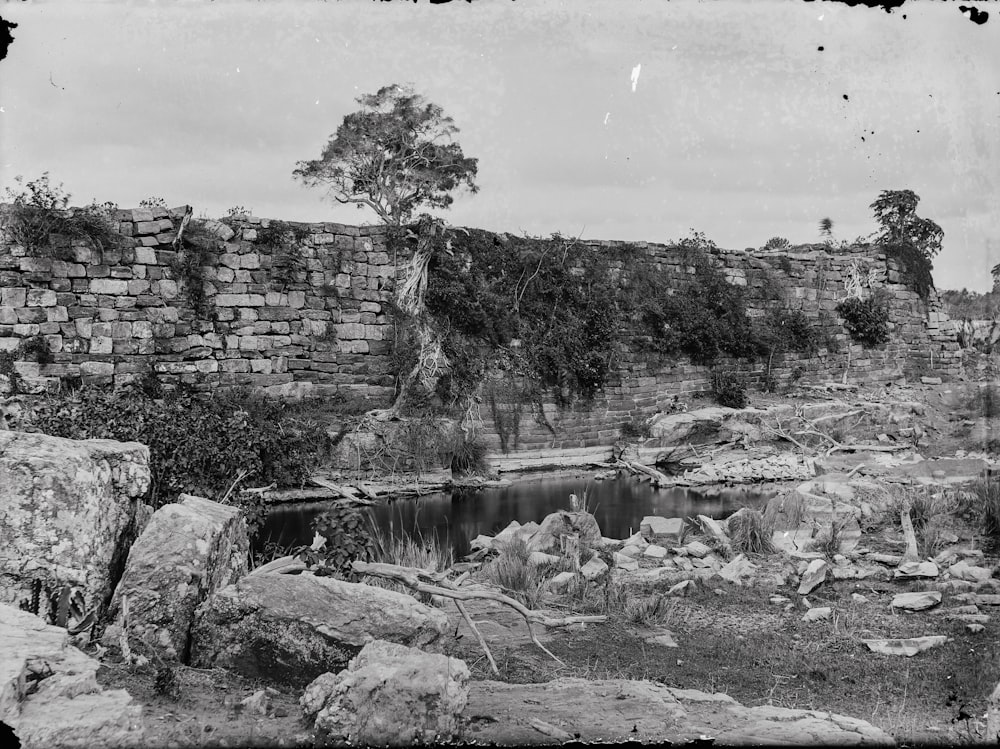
606	118
635	76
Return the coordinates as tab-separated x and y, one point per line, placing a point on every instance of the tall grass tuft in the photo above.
784	512
516	576
648	610
425	552
983	504
749	532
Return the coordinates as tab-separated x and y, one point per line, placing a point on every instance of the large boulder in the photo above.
49	692
188	551
557	524
292	628
390	695
70	511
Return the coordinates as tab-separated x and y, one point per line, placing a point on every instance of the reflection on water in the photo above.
456	518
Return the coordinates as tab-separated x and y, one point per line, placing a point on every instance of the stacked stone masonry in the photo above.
112	316
811	279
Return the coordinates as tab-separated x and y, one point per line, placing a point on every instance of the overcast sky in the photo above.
617	119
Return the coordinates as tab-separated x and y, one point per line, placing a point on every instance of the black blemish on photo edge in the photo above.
6	38
975	15
886	5
846	97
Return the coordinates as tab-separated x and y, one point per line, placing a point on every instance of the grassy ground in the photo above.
738	643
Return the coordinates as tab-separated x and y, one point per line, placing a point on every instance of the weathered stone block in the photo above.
362	704
41	298
111	286
49	693
188	551
101	345
13	296
68	508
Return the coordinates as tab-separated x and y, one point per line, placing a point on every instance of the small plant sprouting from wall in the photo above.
35	349
867	320
199	249
284	240
38	218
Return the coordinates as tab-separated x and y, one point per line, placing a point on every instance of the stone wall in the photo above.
315	314
811	279
273	315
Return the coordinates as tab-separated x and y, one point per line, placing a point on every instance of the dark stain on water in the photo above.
457	517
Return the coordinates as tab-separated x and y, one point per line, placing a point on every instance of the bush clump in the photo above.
197	445
867	320
730	389
38	212
349	537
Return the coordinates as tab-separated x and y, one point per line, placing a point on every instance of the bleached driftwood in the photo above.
661	479
911	554
438	584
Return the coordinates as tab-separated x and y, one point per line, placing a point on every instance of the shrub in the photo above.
867	320
38	212
776	243
469	457
638	428
197	445
348	535
730	389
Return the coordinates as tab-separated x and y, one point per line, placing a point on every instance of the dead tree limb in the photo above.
437	584
911	554
188	212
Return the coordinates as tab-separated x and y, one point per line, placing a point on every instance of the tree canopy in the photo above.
896	211
393	155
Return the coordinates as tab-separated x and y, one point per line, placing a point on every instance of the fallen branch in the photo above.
437	584
550	730
188	212
661	479
340	491
911	554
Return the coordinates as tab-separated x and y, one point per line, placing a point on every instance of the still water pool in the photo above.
456	517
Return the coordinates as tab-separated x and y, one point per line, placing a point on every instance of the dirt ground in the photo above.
730	639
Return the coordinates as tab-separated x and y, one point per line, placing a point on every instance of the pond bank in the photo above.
456	516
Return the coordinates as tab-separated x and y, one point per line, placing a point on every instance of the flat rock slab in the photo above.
917	601
907	647
943	470
640	711
65	706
